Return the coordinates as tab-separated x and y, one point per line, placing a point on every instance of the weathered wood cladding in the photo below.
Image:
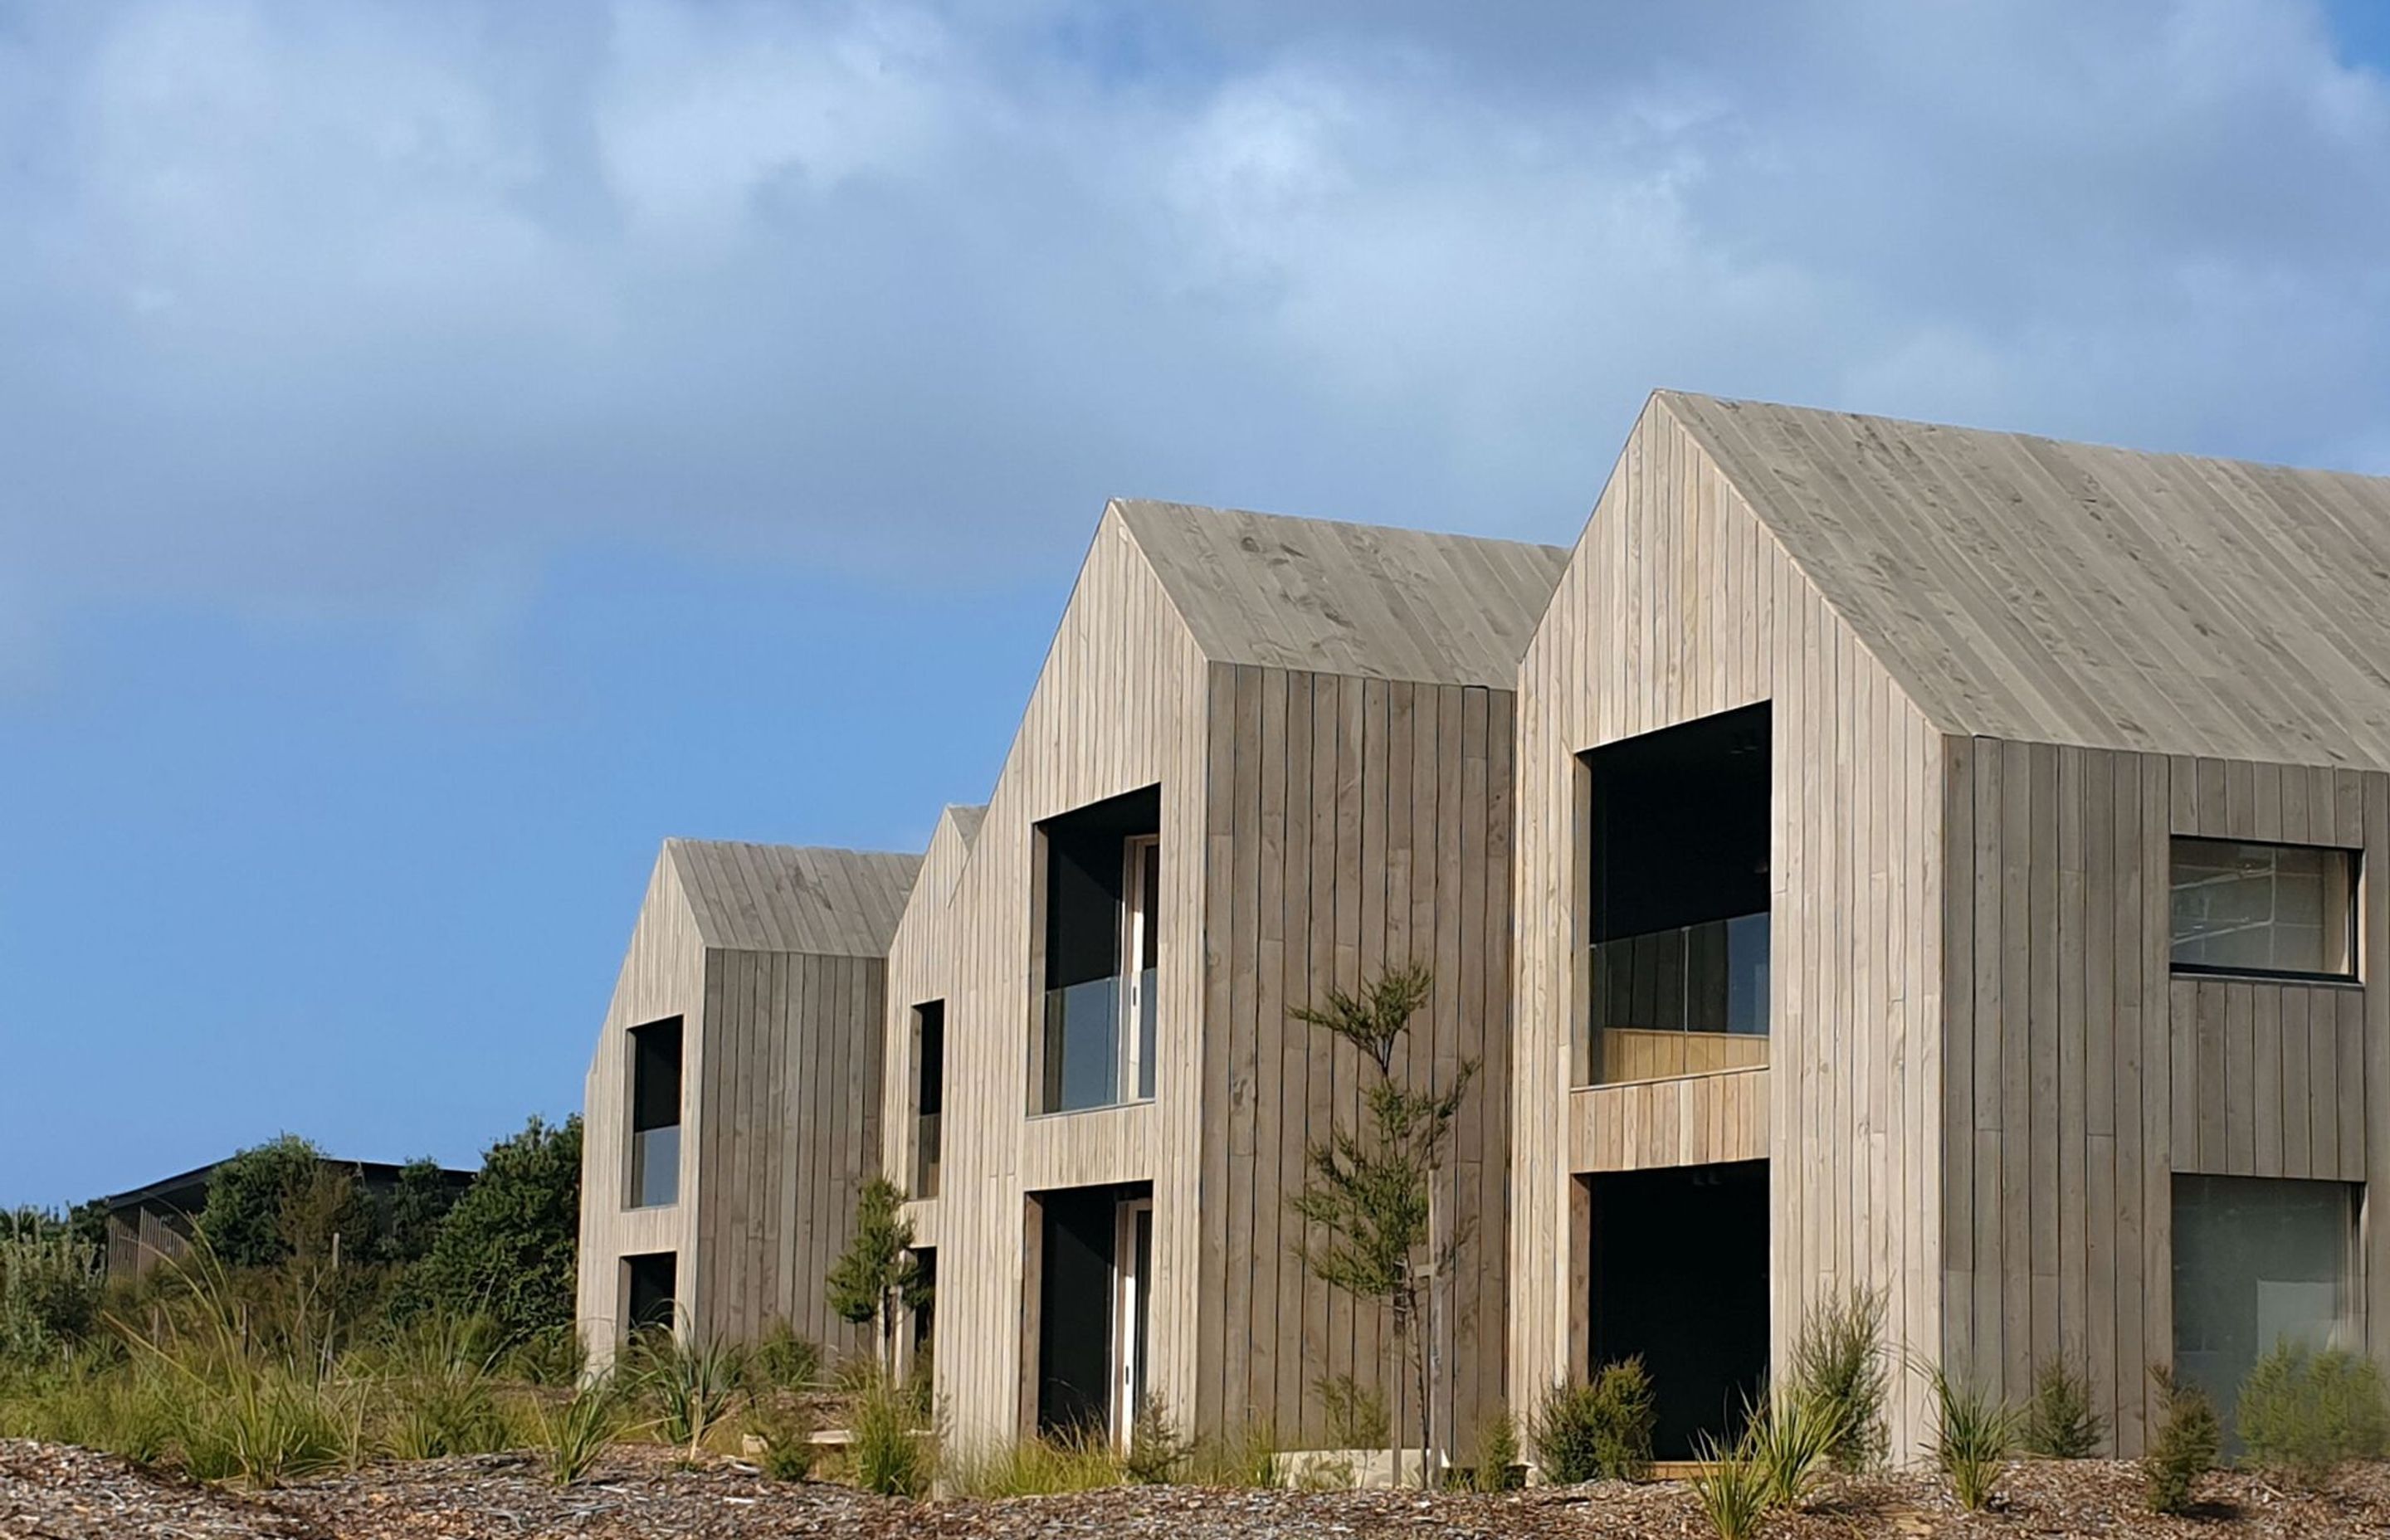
1678	604
1353	827
1316	828
1118	706
779	1120
662	975
2082	1074
788	1127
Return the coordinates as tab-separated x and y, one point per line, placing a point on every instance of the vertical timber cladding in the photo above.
788	1130
662	975
2081	1074
1352	826
1118	706
1680	604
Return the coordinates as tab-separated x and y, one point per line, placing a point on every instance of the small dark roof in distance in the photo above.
790	898
188	1189
1358	600
2024	588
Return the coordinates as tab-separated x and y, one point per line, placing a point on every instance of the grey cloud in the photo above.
339	307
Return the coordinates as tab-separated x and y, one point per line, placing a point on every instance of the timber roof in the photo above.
967	818
1359	599
2024	588
792	898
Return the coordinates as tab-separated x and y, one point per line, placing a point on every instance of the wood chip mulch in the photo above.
52	1493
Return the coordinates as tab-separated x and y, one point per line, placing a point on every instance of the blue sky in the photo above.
446	447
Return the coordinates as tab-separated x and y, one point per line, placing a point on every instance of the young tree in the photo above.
879	1276
1370	1198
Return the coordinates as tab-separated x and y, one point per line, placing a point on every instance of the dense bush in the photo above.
410	1214
50	1283
1582	1432
507	1248
2059	1421
2303	1413
1839	1367
271	1201
2188	1438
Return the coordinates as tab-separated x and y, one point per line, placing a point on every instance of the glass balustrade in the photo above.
925	1155
655	1166
1688	1000
1083	1057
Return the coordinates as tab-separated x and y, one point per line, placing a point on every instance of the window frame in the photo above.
636	1040
2352	931
1140	860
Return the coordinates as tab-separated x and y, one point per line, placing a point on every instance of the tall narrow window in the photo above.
1678	906
2275	911
928	1093
1143	859
1101	876
655	1113
1133	1248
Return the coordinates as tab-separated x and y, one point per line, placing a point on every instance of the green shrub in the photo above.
1733	1489
1246	1457
1494	1464
552	1356
1584	1432
784	1425
1791	1441
1356	1414
576	1431
407	1218
50	1286
2303	1414
253	1199
1081	1461
507	1248
1157	1450
693	1381
1840	1366
2059	1421
2188	1438
439	1388
891	1452
781	1360
1974	1435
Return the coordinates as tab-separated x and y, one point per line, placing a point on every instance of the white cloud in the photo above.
341	308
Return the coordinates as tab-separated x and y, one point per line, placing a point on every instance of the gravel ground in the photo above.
50	1493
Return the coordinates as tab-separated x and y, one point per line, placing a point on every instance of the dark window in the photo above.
2259	1262
1095	1313
2281	911
1679	1279
648	1292
655	1113
925	1315
1678	909
929	1094
1102	875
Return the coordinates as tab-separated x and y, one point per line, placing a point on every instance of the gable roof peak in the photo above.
1368	600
